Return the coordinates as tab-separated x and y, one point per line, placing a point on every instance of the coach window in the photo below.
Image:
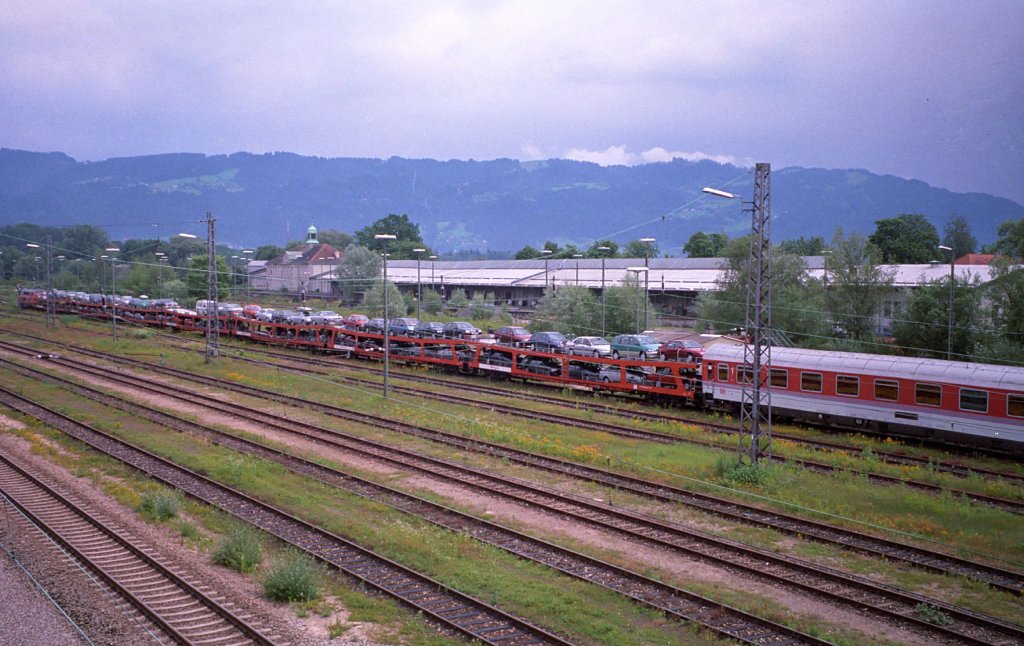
810	381
928	394
723	372
887	390
974	400
744	374
847	385
1015	405
779	378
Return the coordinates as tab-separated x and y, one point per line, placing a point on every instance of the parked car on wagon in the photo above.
402	326
356	321
251	310
460	330
547	342
681	350
589	346
430	329
512	335
614	374
635	346
375	325
328	317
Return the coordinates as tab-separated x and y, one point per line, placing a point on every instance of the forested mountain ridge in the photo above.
501	204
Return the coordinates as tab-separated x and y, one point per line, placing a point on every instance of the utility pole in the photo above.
51	304
212	293
756	406
755	374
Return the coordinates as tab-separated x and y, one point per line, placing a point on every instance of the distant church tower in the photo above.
311	235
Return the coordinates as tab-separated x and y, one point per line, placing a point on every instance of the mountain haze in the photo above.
501	204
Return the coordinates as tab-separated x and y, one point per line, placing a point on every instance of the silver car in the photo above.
589	346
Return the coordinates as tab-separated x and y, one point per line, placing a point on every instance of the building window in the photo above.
779	378
1015	405
723	372
847	385
887	390
974	400
810	381
928	394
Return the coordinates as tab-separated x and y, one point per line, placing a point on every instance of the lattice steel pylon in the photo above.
212	292
51	297
756	400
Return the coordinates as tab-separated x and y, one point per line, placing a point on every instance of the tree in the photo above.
270	251
358	270
705	245
1011	239
907	238
923	325
570	310
638	249
855	285
623	304
797	300
958	237
407	237
84	240
1006	295
375	301
803	246
594	252
335	238
527	253
196	280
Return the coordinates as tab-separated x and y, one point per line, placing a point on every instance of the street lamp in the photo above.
547	254
949	326
248	259
647	276
384	237
637	271
577	256
602	249
419	286
113	291
61	259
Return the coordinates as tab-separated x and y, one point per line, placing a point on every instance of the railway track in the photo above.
448	607
890	457
620	430
999	578
673	601
886	456
851	590
179	608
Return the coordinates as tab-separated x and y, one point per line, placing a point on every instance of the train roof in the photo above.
981	375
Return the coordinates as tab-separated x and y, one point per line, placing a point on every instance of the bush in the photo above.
240	549
160	506
294	578
744	473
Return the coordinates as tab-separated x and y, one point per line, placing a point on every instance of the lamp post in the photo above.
32	245
113	291
384	237
603	249
61	259
419	286
577	256
949	326
547	254
433	259
647	276
637	271
248	259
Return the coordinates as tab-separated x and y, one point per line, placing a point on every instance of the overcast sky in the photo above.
932	90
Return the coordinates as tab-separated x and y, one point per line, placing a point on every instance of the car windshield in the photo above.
646	340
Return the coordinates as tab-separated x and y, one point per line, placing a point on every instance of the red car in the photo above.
681	350
512	335
356	321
